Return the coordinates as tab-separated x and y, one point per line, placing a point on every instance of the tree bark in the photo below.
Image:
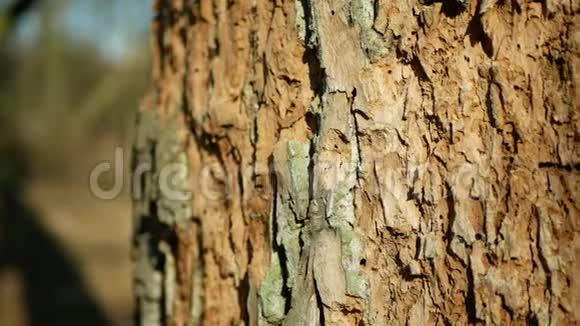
360	163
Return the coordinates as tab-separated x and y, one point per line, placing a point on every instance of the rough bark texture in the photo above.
363	162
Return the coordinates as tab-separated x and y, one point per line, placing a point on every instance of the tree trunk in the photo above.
360	163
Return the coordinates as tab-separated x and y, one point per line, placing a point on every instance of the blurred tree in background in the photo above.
76	65
72	74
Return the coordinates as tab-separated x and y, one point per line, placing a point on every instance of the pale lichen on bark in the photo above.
162	165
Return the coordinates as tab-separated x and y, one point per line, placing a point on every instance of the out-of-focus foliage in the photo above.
11	14
72	73
71	70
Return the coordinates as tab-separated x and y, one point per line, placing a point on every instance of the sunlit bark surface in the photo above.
360	163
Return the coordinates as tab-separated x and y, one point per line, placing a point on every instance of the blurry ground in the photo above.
94	233
72	73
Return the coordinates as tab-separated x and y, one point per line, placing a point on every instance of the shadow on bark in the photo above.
53	291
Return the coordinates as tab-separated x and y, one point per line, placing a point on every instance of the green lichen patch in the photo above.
299	161
374	44
272	300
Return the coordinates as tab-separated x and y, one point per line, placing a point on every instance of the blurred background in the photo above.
72	73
